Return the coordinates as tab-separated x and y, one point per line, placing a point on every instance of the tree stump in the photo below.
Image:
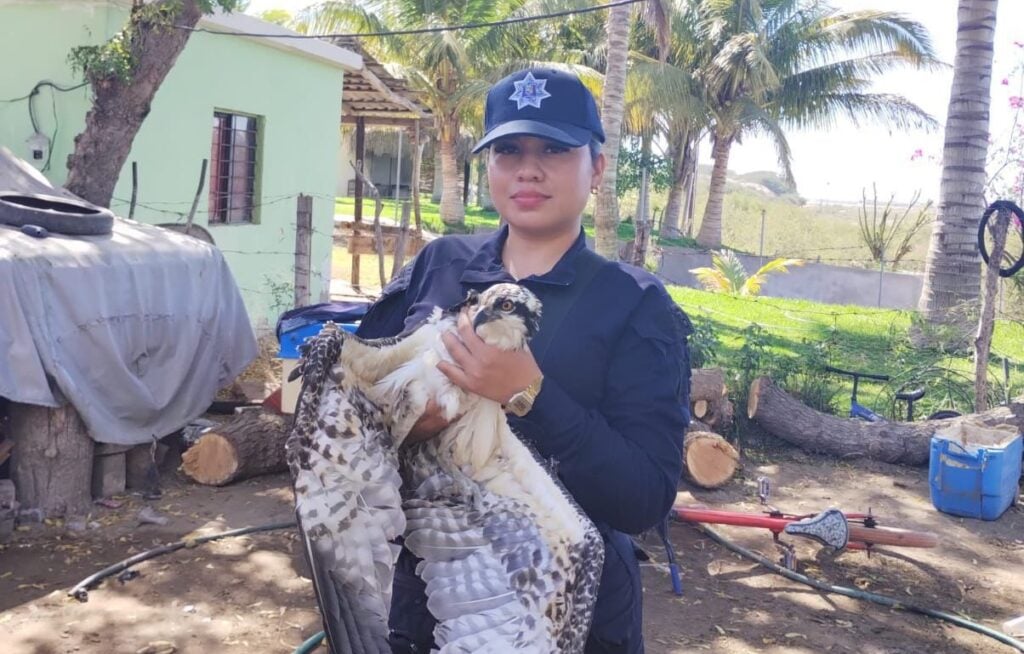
249	445
51	463
710	461
909	443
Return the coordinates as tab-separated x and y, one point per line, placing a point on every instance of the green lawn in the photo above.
797	337
476	218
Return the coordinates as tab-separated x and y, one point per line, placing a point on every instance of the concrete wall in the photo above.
813	281
297	99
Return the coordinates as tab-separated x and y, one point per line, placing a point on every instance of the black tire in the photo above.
56	214
943	414
1001	205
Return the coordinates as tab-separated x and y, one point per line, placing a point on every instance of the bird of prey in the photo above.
510	562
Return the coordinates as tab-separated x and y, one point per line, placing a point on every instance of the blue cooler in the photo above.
297	325
973	470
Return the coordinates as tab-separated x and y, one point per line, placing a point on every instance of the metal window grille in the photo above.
233	173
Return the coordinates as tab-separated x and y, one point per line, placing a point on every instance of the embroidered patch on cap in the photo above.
529	92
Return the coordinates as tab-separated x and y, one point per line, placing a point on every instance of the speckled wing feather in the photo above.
345	473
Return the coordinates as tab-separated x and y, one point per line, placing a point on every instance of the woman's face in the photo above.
539	185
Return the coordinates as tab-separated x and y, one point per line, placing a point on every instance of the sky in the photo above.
837	164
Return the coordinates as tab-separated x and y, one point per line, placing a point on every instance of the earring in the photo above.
593	190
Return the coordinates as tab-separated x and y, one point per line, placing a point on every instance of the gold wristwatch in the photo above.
521	403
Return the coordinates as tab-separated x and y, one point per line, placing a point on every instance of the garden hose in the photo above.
856	593
310	644
80	591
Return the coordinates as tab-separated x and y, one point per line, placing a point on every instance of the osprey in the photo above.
510	562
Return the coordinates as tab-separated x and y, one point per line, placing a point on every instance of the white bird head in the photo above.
505	315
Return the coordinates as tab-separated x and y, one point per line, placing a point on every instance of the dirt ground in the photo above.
248	595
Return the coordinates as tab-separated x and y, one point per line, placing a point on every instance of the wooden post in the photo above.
403	232
360	158
990	285
417	164
135	190
52	459
195	200
303	243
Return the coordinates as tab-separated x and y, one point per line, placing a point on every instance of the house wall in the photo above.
297	98
381	168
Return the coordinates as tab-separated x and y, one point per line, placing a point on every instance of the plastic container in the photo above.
289	355
291	340
973	470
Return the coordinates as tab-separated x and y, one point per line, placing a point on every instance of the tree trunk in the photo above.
52	459
689	207
951	267
998	225
708	459
119	107
251	444
613	105
782	415
453	212
679	151
438	178
486	202
710	234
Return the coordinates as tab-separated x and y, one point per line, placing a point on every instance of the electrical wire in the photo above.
422	30
856	593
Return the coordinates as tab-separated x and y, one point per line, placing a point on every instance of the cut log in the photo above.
707	384
249	445
51	463
709	399
710	461
700	409
785	417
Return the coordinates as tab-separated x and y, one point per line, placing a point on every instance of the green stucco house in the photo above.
265	113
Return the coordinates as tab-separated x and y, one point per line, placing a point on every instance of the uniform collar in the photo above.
486	267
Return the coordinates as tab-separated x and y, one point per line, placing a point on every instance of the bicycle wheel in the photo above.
892	536
1013	251
943	414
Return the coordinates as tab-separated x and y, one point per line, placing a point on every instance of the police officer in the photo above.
597	394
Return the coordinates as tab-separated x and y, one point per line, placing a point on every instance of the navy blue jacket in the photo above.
608	414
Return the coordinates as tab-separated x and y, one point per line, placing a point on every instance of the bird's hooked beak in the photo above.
482	317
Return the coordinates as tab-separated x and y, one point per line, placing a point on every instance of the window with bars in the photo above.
233	170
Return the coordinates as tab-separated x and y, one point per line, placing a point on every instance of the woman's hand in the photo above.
483	369
428	425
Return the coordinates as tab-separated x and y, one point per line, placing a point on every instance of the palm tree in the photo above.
728	275
951	267
449	68
613	107
771	64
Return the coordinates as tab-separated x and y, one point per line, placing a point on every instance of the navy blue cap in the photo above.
544	102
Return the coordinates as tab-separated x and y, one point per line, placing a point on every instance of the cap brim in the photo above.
563	133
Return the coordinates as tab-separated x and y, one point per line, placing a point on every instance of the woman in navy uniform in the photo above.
598	394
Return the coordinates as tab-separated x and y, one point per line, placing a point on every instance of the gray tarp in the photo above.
138	329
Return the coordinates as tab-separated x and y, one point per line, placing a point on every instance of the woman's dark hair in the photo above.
595	150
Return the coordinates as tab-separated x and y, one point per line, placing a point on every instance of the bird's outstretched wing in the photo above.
345	473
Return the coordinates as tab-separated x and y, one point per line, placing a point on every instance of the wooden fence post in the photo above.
403	232
303	240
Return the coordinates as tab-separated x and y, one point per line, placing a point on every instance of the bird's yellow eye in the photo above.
506	305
